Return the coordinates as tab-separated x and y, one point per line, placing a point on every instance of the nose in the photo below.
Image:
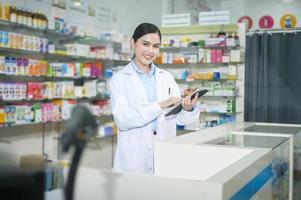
152	49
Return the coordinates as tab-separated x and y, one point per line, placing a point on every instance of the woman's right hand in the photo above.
169	102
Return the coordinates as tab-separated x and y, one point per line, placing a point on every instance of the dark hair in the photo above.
145	28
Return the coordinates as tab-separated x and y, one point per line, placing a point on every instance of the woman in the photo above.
140	95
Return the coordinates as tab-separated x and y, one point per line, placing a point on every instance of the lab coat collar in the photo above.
128	69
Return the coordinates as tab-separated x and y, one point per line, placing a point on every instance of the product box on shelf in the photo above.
10	111
37	112
235	56
232	72
201	55
215	42
66	107
2	115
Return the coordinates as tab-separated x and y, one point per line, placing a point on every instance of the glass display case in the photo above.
280	163
292	130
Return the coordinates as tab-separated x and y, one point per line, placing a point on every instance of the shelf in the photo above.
8	77
102	117
219	96
48	56
197	65
201	81
46	100
66	58
192	65
125	62
21	28
179	49
21	52
217	113
194	49
92	41
199	29
29	124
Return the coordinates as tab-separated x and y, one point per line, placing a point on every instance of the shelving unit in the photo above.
46	130
184	54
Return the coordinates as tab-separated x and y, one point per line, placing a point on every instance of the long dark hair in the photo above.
145	28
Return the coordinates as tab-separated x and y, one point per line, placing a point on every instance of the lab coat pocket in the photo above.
167	127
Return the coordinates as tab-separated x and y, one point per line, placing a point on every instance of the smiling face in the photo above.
146	49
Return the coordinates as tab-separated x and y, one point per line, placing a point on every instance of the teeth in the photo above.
148	57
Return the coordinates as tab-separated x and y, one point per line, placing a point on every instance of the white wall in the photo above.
130	13
257	8
125	15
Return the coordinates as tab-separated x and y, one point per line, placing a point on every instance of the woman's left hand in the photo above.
189	103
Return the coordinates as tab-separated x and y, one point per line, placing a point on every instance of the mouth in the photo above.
148	57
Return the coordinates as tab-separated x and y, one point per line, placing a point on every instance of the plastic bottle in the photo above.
26	17
1	11
29	22
39	20
6	12
13	14
236	37
34	20
19	16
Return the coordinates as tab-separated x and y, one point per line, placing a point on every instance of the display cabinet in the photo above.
285	130
209	57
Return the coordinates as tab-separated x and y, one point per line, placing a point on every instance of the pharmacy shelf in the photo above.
92	41
215	96
202	81
179	49
50	56
196	49
117	61
21	52
69	58
219	96
28	30
218	113
52	99
27	124
199	29
196	65
9	77
101	119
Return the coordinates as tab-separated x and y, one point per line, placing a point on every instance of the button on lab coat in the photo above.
133	113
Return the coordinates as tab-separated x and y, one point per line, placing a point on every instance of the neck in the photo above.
142	67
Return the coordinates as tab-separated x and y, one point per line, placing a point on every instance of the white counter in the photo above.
186	168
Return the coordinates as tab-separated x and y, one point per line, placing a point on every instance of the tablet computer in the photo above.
178	107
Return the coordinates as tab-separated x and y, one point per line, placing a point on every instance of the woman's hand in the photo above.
189	103
169	102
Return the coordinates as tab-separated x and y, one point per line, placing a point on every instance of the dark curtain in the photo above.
273	78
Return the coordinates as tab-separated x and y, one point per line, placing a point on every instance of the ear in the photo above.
132	43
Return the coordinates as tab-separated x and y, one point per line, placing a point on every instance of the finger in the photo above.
195	99
187	102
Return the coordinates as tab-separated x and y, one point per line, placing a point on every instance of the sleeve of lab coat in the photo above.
130	117
185	117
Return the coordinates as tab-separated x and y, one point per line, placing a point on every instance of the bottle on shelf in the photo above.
236	38
19	16
6	12
35	23
1	11
13	14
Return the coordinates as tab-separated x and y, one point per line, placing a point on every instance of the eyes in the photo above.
148	44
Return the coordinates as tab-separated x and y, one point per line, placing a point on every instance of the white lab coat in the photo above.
133	113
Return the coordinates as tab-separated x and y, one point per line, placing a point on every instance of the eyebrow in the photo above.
150	43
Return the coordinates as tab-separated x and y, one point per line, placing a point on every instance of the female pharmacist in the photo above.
141	93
